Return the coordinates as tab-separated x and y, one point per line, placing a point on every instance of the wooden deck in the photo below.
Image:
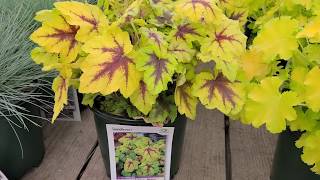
214	149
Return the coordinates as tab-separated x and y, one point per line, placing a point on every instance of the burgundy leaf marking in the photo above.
204	3
143	91
149	150
236	16
130	163
160	66
94	22
62	88
221	36
130	137
183	30
185	98
65	35
119	61
155	37
221	84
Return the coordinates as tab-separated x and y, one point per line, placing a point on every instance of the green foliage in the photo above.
138	155
265	56
19	76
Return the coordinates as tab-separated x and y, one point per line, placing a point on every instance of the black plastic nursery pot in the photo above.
287	163
13	162
102	118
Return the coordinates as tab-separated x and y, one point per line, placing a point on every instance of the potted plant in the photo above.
136	63
21	144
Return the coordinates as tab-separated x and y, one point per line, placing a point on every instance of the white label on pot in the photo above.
139	152
2	176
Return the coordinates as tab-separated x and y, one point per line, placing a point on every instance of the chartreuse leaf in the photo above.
277	38
312	52
48	60
152	37
310	142
253	64
218	92
148	169
204	11
311	30
130	165
306	120
266	105
56	35
88	99
148	153
108	68
312	89
157	67
143	99
298	76
224	45
163	111
181	51
185	100
89	18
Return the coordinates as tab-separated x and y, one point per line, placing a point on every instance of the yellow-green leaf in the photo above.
185	100
277	38
56	35
48	60
108	68
89	18
218	92
143	99
267	105
312	89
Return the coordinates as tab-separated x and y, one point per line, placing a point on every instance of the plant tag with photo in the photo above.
140	152
2	176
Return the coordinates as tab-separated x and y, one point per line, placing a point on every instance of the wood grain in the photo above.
251	152
67	146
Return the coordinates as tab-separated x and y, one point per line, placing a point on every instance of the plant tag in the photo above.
2	176
139	152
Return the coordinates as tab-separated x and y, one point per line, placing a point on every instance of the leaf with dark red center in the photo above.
56	35
143	99
157	68
224	45
152	37
108	68
185	100
204	11
218	93
89	18
186	32
181	51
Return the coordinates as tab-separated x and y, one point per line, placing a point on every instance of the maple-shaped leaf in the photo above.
312	53
185	100
181	51
148	169
298	76
310	142
143	99
60	88
224	45
187	32
253	64
148	153
130	165
152	37
267	105
312	89
277	38
108	68
218	92
89	18
157	67
204	11
56	35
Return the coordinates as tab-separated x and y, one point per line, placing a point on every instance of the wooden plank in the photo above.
251	152
203	157
67	147
95	169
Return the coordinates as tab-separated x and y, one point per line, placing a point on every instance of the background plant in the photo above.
140	155
265	56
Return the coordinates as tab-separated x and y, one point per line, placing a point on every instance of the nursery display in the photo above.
21	144
137	60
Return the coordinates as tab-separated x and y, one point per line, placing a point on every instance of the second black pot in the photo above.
102	118
287	163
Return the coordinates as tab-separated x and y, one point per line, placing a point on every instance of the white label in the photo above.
2	176
140	152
